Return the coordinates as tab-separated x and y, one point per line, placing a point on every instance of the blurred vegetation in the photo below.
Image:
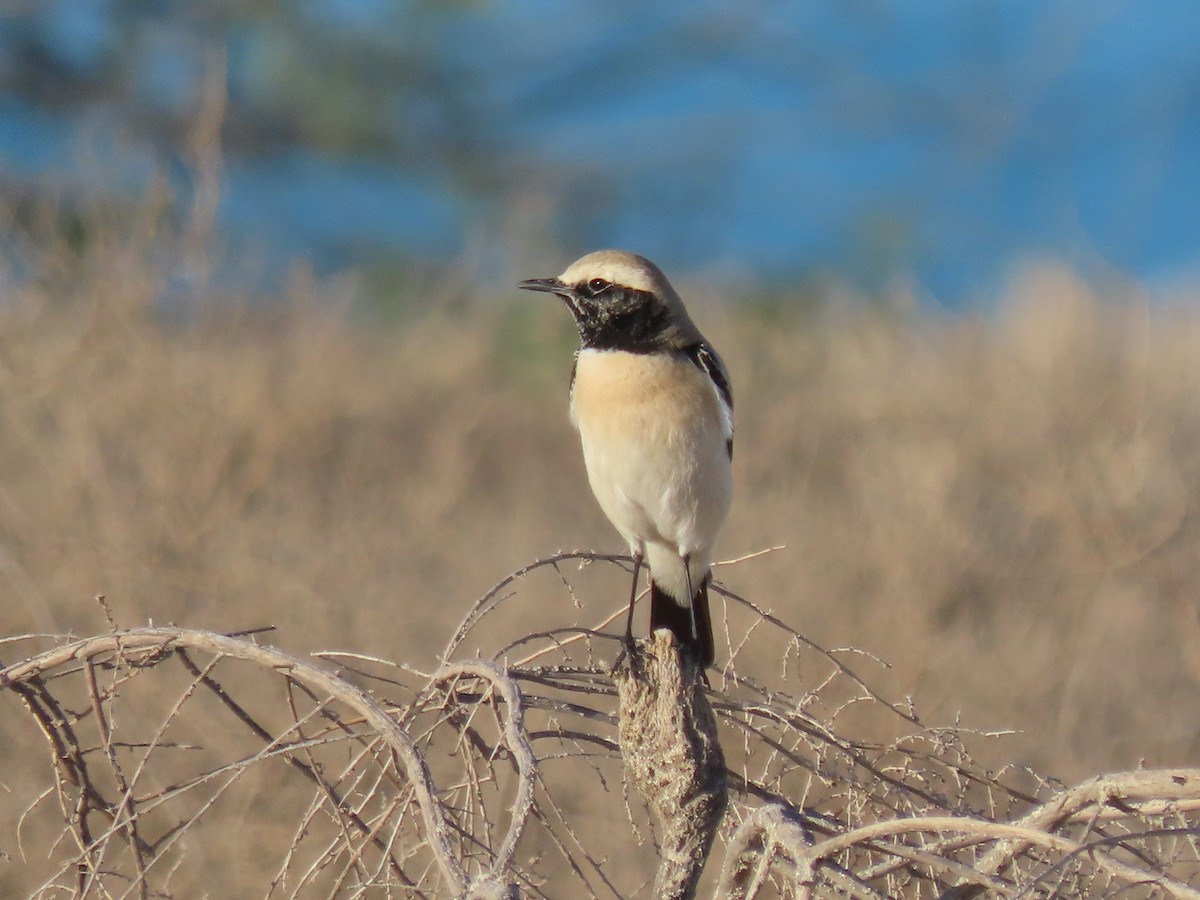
148	59
1002	509
758	143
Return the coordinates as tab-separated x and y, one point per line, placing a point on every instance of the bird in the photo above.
653	405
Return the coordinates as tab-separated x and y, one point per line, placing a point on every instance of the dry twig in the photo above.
484	779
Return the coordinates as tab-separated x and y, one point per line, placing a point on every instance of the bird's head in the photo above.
621	301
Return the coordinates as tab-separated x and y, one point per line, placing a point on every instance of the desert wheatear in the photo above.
654	409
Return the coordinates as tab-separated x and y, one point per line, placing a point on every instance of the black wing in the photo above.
706	359
571	387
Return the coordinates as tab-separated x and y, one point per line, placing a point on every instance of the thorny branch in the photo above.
486	778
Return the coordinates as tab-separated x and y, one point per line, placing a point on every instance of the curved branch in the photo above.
517	739
481	606
809	858
166	638
1121	790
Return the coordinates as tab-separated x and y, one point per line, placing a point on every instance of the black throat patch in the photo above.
622	319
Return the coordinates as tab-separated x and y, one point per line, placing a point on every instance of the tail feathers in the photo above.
665	612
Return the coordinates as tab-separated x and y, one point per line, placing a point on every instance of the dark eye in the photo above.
598	286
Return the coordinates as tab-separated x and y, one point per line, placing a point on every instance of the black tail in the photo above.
665	612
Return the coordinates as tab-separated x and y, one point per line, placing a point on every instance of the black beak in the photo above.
548	285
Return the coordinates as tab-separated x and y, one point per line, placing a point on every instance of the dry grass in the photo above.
1002	510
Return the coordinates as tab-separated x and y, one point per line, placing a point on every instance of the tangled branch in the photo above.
498	777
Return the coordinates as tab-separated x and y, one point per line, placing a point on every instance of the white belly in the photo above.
654	445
